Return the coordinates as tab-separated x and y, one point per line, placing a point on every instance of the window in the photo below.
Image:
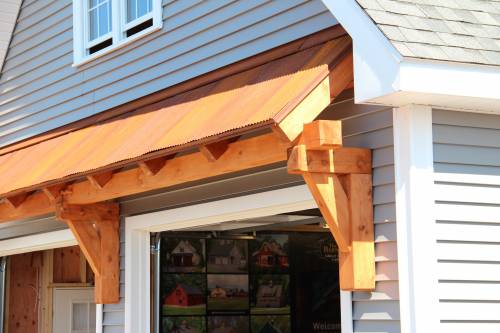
101	26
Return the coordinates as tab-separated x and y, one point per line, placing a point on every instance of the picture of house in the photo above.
227	256
227	292
185	257
184	294
271	253
218	292
270	294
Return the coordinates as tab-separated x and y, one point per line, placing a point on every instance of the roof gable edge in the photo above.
376	60
11	9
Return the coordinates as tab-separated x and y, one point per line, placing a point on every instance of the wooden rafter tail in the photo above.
99	180
153	166
37	204
213	151
54	192
96	228
16	200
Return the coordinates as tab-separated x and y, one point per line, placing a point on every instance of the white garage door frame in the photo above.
137	242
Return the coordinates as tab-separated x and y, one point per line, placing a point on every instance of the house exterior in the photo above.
184	255
270	254
122	119
225	253
185	295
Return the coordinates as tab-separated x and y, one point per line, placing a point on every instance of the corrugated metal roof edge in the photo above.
151	155
293	47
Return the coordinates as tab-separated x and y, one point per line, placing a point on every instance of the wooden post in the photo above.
96	228
339	179
46	292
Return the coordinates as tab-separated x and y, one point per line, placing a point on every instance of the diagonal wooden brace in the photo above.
340	181
96	228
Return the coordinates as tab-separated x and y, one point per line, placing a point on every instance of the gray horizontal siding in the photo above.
467	187
40	90
371	127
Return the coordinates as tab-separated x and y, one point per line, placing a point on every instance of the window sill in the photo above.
116	46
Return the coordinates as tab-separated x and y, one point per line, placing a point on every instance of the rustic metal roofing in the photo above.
466	31
251	99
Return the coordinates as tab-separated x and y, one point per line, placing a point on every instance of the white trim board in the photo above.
38	242
383	76
137	241
416	242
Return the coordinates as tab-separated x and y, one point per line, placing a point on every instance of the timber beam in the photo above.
339	179
96	228
155	173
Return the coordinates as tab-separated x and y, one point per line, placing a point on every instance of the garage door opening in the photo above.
263	275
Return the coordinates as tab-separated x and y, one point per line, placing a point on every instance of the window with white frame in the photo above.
101	26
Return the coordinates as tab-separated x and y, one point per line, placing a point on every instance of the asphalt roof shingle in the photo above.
449	30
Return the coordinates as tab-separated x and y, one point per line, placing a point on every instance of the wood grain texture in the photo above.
241	155
213	151
25	273
66	265
340	182
96	228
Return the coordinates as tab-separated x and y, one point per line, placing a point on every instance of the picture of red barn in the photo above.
270	254
184	295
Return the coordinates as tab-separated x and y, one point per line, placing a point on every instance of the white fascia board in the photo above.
383	76
376	61
445	85
38	242
10	11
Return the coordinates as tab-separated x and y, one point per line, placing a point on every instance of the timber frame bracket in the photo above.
96	228
340	181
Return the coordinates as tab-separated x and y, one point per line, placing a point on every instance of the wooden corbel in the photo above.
339	179
96	228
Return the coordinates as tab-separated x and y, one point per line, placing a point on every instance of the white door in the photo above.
74	311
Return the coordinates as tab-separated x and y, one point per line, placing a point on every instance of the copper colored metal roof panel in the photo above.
257	97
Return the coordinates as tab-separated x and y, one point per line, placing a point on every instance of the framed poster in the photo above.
183	255
227	256
270	294
227	293
270	253
183	294
277	282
